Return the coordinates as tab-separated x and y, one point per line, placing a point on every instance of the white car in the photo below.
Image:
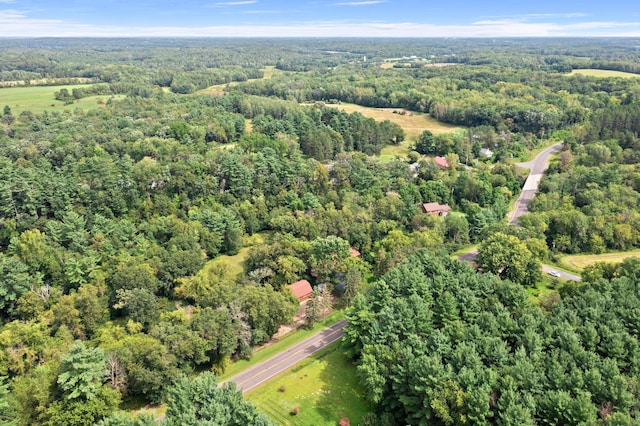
554	273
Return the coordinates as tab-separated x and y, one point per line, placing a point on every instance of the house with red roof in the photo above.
442	163
302	290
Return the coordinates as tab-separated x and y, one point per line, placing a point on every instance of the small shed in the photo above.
486	152
302	290
436	209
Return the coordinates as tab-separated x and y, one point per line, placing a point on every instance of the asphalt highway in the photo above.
536	167
260	373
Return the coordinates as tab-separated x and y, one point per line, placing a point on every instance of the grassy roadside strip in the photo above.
285	342
324	387
135	408
558	136
563	267
465	249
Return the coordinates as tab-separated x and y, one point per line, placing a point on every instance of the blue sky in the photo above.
318	18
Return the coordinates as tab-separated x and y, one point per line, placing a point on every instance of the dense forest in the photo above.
436	343
121	226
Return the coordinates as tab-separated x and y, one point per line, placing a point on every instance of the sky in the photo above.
319	18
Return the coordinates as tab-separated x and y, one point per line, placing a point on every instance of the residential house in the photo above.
302	290
442	163
436	209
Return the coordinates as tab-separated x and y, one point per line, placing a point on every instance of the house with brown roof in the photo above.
302	290
436	209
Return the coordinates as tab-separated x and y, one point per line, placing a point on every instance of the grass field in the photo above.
412	123
581	261
604	73
218	89
235	263
324	387
40	98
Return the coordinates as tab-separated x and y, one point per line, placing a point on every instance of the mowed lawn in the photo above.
604	73
580	261
324	387
37	99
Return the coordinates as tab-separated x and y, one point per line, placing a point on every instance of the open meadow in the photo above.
324	387
38	99
411	122
218	89
580	261
604	73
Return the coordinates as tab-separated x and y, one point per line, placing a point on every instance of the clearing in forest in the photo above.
323	387
37	99
412	123
218	89
235	263
604	73
581	261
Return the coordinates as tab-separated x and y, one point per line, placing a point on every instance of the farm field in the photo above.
604	73
37	99
412	123
581	261
324	388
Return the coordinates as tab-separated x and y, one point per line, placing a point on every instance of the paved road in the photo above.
283	361
546	269
536	167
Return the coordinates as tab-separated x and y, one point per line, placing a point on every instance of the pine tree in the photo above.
314	305
81	371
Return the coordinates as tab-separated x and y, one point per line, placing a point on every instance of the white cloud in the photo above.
233	3
7	1
18	24
261	12
361	3
557	15
11	14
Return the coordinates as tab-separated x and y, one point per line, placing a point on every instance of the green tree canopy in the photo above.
200	401
509	258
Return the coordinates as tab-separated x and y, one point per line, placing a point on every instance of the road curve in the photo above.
536	167
260	373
